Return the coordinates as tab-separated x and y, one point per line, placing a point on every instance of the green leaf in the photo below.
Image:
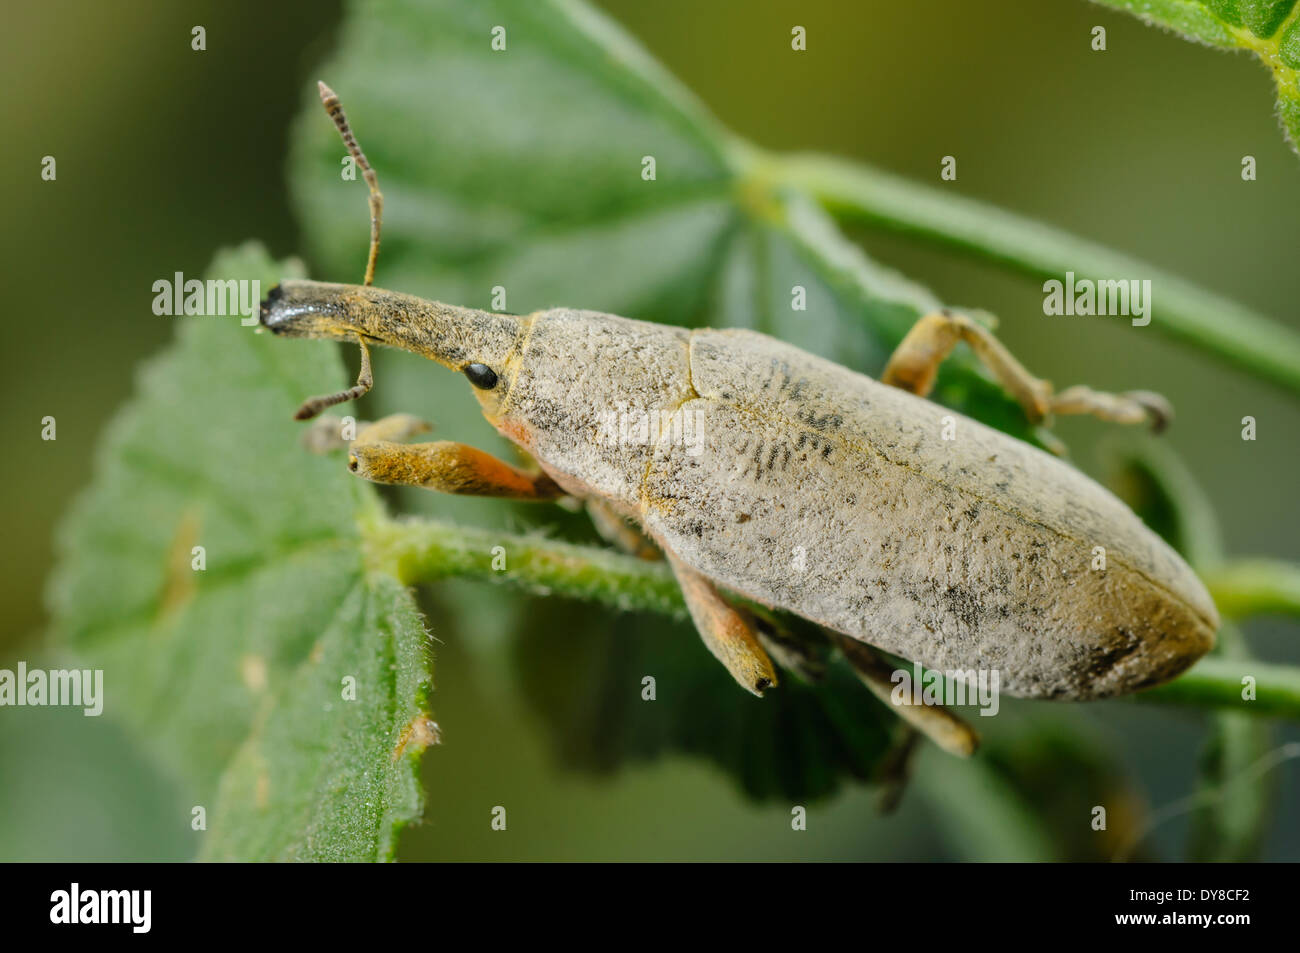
233	675
798	743
1269	28
1064	773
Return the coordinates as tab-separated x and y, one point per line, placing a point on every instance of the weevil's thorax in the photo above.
589	395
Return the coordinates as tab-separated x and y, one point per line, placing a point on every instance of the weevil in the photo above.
893	523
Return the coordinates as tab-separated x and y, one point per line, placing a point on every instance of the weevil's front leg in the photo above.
449	468
934	721
394	427
915	364
725	630
328	432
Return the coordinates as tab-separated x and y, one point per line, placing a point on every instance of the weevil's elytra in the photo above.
801	485
972	553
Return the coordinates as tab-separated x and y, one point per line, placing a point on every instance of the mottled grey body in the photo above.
817	490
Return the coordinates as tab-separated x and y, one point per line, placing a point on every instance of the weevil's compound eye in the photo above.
481	376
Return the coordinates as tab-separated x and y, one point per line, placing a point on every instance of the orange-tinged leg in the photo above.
915	364
726	631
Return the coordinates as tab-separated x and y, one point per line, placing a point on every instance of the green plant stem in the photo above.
1248	587
1212	323
417	551
1215	682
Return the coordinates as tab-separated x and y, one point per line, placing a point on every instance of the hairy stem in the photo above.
418	551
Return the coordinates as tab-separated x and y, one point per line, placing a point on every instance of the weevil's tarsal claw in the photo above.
1159	411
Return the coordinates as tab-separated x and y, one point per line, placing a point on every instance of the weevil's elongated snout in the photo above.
444	333
298	314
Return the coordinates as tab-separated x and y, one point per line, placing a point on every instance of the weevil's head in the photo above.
479	343
587	394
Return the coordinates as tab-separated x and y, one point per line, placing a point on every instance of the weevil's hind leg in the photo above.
616	531
934	721
726	632
915	364
448	468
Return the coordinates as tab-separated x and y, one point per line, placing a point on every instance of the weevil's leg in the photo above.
804	652
449	468
394	427
329	432
915	364
725	630
1131	407
618	532
934	721
324	434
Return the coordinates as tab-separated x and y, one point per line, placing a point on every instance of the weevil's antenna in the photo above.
330	100
366	379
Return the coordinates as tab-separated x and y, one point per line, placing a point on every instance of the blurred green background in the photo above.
165	155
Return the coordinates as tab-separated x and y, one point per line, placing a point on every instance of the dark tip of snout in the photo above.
268	306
